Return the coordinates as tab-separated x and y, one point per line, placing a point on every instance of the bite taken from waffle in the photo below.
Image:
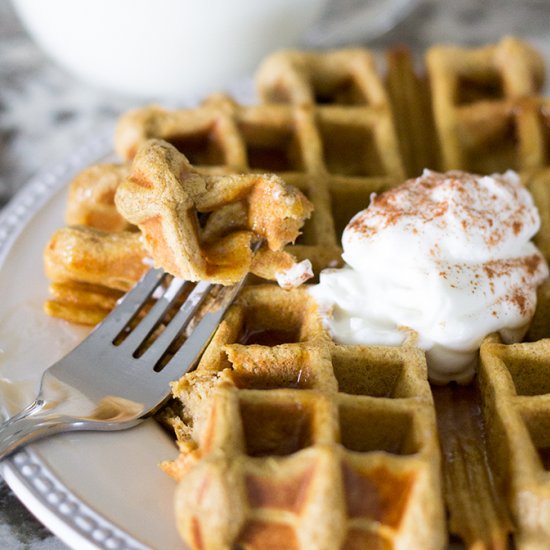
167	200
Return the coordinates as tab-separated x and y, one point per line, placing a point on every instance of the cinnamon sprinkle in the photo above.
519	300
429	198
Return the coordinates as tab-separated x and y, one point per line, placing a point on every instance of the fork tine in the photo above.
186	357
154	316
177	324
128	306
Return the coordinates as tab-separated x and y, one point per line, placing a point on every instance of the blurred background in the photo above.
47	108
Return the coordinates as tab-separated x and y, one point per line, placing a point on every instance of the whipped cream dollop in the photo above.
444	260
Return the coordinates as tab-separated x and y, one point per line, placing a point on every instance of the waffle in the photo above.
514	384
164	196
484	109
86	264
304	444
91	198
89	270
338	128
346	84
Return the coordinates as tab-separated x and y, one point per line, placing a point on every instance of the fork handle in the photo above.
30	424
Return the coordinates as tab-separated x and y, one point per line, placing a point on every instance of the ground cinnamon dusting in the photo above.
420	199
519	300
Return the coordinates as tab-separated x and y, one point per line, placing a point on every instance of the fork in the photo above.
106	383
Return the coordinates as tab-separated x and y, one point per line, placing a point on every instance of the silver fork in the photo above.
106	385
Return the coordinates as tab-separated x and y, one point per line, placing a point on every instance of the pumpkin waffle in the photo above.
91	198
271	359
89	270
348	81
197	226
514	381
483	106
290	441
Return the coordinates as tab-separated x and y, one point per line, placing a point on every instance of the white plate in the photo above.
93	490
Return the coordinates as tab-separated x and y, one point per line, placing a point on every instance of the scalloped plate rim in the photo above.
25	472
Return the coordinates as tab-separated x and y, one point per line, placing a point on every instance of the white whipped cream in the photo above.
294	276
446	258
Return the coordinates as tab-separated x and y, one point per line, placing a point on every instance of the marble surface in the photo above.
44	112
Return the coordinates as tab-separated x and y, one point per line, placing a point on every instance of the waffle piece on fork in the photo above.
164	196
291	441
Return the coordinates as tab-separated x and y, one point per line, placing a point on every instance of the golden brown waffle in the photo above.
334	127
395	110
236	209
514	381
90	269
305	444
91	198
164	196
483	122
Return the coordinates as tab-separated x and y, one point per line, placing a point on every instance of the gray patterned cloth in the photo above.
44	112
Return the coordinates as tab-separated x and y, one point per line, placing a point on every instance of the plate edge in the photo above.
25	473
